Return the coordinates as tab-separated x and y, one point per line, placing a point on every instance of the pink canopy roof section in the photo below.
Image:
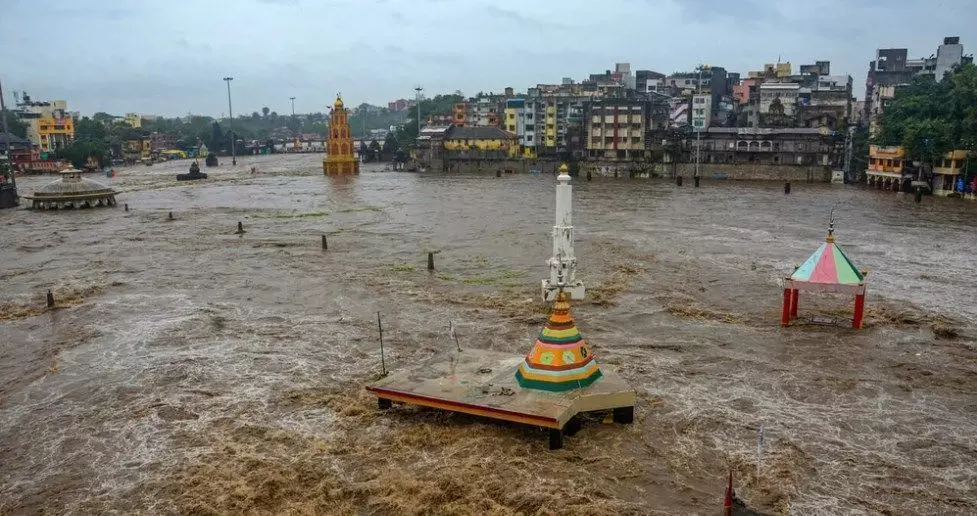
828	266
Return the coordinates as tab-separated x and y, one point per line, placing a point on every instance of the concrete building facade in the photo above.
49	125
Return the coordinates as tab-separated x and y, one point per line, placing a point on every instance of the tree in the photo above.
265	111
255	115
103	117
16	126
87	129
390	145
78	152
216	137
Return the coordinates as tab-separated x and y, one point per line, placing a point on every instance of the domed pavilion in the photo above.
72	191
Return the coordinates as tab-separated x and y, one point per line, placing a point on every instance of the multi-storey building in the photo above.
616	129
459	114
892	69
948	173
767	146
515	123
621	129
49	125
558	116
133	119
887	166
701	111
485	110
647	81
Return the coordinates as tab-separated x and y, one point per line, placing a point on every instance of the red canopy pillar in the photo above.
793	303
856	321
785	313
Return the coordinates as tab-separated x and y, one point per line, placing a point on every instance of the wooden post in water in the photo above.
50	299
325	245
678	181
383	363
430	261
127	207
171	215
240	228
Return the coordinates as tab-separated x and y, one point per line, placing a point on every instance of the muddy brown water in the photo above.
190	369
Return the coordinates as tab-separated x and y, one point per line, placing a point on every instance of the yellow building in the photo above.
481	139
340	157
136	149
946	171
773	70
49	126
885	166
549	124
134	120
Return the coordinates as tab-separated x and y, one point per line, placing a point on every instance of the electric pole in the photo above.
230	113
6	142
418	89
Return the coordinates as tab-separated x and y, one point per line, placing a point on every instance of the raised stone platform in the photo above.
483	383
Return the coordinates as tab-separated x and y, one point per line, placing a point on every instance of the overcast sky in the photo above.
168	57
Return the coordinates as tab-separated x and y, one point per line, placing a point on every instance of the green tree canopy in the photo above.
930	118
16	126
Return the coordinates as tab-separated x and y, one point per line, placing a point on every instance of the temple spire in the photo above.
831	227
563	263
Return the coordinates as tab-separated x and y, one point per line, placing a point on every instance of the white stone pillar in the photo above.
563	263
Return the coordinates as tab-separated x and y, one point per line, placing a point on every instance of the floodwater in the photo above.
190	369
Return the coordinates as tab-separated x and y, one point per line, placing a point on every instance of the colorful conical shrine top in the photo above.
829	265
560	359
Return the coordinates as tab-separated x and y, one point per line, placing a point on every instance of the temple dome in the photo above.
72	189
339	102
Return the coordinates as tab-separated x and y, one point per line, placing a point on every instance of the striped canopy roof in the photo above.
828	265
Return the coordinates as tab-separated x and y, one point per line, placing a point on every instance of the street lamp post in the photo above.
7	144
293	106
418	89
698	129
230	112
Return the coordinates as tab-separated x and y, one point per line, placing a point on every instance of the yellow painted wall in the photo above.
49	126
134	120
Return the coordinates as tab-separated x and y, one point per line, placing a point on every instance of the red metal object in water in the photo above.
785	314
856	322
728	499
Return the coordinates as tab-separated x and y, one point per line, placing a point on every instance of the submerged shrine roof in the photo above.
72	188
829	265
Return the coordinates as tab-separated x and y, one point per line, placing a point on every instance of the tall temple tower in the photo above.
340	154
560	359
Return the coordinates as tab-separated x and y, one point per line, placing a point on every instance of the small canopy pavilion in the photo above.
827	270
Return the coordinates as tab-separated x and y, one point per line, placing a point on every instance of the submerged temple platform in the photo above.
482	383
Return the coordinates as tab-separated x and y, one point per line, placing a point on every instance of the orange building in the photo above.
460	114
340	157
886	165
